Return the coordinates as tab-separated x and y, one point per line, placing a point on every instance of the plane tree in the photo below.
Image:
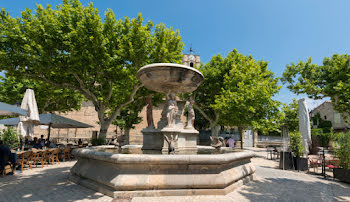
331	79
237	91
71	47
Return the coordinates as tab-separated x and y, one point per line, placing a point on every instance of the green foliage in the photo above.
332	79
206	93
290	116
98	141
128	117
322	137
237	91
71	47
48	97
246	92
325	125
343	150
271	125
296	143
10	137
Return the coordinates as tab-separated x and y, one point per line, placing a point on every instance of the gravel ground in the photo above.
51	184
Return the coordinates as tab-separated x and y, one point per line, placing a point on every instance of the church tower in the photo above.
191	59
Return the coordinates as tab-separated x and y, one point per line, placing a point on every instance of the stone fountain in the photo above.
108	170
171	79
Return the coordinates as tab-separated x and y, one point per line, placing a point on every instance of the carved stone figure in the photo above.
171	143
150	123
191	114
114	141
217	142
172	110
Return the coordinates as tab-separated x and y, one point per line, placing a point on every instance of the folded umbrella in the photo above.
26	125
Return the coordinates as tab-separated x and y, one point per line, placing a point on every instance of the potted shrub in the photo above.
343	152
297	147
10	137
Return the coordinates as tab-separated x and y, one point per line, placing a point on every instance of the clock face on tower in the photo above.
191	57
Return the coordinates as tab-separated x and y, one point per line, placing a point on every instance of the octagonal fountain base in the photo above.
131	175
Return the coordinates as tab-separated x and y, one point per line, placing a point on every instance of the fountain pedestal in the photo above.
186	140
152	139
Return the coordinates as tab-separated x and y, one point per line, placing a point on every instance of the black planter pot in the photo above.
288	161
342	174
300	163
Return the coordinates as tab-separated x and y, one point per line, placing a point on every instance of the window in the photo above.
325	117
191	64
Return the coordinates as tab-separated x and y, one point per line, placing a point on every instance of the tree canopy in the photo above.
71	47
49	98
237	91
290	116
332	79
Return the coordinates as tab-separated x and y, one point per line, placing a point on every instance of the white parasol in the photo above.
26	124
304	125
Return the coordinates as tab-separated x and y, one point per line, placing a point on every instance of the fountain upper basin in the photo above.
170	78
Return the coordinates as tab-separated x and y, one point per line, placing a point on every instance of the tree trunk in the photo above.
49	132
255	141
214	130
104	125
240	129
127	136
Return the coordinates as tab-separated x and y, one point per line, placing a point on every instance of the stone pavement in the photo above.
274	184
45	184
51	184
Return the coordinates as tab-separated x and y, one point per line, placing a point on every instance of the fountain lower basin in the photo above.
131	175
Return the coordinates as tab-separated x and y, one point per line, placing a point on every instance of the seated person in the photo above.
37	145
226	143
80	142
51	145
26	141
231	142
5	155
42	142
34	141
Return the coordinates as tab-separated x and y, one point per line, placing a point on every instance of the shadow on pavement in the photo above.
51	184
284	189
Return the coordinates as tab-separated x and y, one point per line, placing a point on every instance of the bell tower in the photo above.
191	59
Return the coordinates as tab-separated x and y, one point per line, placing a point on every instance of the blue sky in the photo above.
278	31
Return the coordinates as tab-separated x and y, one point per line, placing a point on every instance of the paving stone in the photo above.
51	184
46	184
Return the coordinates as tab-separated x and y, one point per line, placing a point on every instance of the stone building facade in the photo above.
328	113
191	60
